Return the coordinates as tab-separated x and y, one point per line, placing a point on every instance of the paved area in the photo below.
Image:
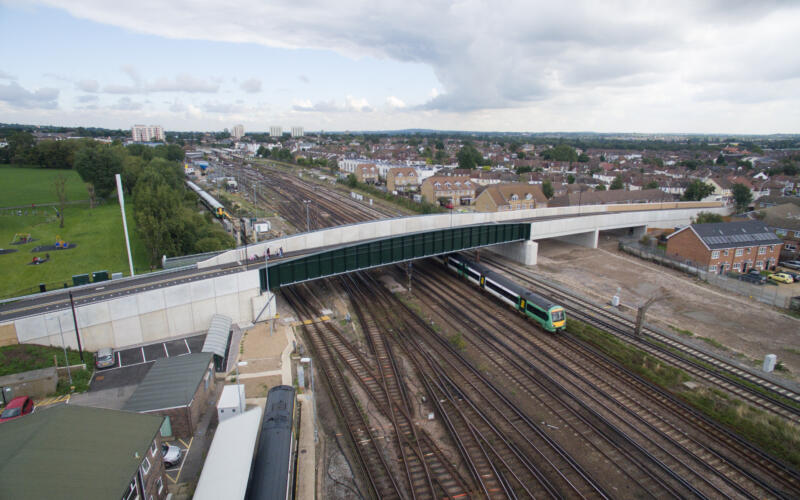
306	449
151	352
111	398
113	378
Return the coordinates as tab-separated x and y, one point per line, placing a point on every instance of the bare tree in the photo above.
92	196
60	185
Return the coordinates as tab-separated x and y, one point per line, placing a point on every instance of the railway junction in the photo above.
432	389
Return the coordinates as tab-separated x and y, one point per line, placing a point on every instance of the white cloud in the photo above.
351	104
88	85
395	103
6	76
126	104
251	86
87	98
181	83
19	97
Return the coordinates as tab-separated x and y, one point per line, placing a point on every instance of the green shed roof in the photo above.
170	383
74	452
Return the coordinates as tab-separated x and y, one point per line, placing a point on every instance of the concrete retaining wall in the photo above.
149	316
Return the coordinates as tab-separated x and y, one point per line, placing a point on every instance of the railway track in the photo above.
503	442
365	444
428	470
656	421
757	391
285	193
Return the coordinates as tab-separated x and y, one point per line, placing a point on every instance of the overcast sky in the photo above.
726	66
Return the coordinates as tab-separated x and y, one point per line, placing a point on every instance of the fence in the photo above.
770	293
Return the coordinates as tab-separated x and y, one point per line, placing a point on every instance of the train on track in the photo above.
217	208
549	315
272	473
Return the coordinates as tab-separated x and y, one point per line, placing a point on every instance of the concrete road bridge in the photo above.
180	302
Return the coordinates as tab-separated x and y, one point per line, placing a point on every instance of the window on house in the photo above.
749	249
715	254
712	269
514	197
153	448
797	234
160	485
725	252
737	266
772	248
145	466
528	196
762	250
738	252
760	264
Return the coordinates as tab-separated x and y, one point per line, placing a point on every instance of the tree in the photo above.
562	152
98	166
440	157
469	157
697	190
263	152
521	155
617	183
547	189
570	179
706	217
742	196
600	187
651	185
583	158
60	186
720	159
352	181
522	169
92	194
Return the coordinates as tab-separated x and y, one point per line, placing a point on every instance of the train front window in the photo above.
557	315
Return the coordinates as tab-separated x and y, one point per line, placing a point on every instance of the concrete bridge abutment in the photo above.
588	240
524	252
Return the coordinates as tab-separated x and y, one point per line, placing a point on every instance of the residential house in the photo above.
610	197
517	196
367	173
784	220
726	246
460	190
402	179
71	451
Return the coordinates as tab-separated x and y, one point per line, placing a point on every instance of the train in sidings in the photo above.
273	469
217	208
549	315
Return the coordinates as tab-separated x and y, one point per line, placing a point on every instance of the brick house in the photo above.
367	173
784	220
726	246
518	196
178	388
72	451
402	179
459	189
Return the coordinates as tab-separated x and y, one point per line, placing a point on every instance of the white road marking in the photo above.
143	356
187	345
165	349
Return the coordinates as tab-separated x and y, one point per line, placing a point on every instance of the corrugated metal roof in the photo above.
71	451
218	333
170	383
229	460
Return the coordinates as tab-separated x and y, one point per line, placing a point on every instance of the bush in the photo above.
422	208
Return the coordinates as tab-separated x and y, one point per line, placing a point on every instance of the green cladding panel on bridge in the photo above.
389	250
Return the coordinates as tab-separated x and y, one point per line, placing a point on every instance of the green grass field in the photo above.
97	232
23	186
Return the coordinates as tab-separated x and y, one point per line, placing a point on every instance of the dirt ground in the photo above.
743	326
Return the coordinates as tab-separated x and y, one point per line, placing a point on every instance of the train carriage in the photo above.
271	477
549	315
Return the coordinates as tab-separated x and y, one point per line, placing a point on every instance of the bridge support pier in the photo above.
524	252
588	240
637	232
